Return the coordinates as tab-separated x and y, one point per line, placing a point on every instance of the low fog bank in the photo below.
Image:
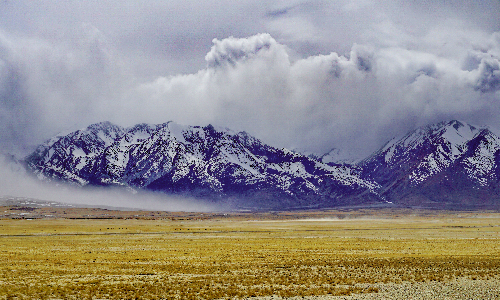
15	182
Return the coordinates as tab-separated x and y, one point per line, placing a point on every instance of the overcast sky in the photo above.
311	75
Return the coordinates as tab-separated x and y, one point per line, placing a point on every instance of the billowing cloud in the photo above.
345	74
355	101
488	79
231	50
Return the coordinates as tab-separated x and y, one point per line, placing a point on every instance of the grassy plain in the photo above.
211	256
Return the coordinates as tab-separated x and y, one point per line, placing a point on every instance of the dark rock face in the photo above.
205	162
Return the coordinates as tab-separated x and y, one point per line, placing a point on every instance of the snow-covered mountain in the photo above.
449	162
206	162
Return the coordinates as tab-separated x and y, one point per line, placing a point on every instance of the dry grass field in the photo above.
212	256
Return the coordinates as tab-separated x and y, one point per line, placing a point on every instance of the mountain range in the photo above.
214	164
445	165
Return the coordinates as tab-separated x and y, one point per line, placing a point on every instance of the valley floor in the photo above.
361	254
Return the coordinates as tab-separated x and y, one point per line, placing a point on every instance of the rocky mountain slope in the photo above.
449	163
204	162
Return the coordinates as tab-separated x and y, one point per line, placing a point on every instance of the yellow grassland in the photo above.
243	255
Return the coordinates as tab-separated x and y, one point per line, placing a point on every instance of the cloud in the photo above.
355	101
488	79
346	74
45	85
231	50
15	183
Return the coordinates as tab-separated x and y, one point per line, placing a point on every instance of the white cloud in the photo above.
423	64
326	100
46	85
15	183
232	50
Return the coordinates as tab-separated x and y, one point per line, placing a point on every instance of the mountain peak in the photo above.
437	161
452	133
456	124
425	151
461	125
456	132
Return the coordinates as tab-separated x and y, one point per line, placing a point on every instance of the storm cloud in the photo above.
310	75
356	101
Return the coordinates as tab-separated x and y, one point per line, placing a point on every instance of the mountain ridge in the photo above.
205	162
443	163
446	164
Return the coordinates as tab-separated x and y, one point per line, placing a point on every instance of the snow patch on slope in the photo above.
480	165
